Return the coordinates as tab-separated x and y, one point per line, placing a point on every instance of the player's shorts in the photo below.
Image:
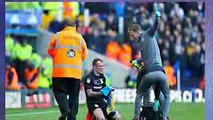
92	105
97	104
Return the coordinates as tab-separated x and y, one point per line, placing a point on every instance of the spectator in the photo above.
131	80
45	80
112	22
24	54
31	76
170	75
46	19
11	77
36	59
113	50
125	55
9	44
54	26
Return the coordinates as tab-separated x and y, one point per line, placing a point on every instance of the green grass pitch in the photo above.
178	111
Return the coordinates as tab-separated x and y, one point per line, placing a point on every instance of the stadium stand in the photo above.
180	35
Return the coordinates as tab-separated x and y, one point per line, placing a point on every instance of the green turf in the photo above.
178	111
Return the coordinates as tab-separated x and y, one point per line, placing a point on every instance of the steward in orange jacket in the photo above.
169	70
11	78
31	76
67	49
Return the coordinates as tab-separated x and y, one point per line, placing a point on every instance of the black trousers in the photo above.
63	87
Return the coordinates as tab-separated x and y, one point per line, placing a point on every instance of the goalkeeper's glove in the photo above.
155	106
110	106
157	14
136	64
107	90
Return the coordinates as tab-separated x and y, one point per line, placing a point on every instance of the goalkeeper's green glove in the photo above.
136	64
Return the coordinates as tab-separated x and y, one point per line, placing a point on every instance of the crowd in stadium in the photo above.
180	38
25	69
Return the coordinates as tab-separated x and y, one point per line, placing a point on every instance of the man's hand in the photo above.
155	106
157	14
136	64
106	90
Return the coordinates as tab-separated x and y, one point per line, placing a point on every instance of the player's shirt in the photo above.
96	83
150	51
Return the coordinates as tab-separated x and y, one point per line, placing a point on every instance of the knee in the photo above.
167	96
100	117
139	95
117	116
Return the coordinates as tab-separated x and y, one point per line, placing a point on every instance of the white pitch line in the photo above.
29	113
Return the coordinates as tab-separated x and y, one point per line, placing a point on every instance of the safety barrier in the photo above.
45	98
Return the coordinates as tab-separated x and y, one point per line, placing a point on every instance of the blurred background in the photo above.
29	27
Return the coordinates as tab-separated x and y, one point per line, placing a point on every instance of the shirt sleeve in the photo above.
151	31
88	83
104	80
84	49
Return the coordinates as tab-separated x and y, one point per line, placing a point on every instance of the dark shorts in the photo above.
92	105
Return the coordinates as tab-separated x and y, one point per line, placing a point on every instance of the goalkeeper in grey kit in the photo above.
152	71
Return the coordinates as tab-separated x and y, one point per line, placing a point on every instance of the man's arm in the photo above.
88	87
139	63
104	85
151	31
51	48
84	49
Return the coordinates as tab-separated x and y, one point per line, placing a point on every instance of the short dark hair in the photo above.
94	62
134	28
70	23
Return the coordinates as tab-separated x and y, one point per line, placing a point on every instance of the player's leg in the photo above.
117	116
143	90
98	113
137	106
161	101
164	87
147	96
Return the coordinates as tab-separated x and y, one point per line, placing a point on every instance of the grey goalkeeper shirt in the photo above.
150	53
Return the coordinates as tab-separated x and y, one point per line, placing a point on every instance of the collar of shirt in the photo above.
93	74
69	28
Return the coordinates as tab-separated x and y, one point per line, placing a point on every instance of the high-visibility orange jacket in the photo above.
125	55
11	79
67	49
113	50
31	77
170	75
